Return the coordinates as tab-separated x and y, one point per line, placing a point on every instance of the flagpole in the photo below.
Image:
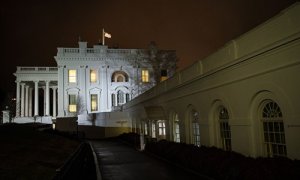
103	37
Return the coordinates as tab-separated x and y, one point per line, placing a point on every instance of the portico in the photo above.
29	81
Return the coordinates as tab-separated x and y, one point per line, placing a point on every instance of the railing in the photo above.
36	69
73	51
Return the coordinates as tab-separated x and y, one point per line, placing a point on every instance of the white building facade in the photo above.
243	98
89	80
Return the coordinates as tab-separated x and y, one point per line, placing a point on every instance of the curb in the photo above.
98	173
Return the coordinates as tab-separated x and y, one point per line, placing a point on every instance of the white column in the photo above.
44	90
47	99
60	92
36	98
22	98
26	100
18	99
30	103
54	101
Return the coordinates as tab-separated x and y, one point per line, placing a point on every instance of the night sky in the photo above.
32	30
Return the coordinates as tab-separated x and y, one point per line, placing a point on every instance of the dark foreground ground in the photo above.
119	161
29	153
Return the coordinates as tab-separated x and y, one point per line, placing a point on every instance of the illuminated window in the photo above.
161	128
72	103
225	129
274	136
176	129
94	102
72	76
146	129
93	76
195	128
153	130
145	75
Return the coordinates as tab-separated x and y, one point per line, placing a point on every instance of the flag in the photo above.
107	35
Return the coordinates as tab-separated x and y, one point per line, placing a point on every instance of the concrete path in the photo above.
119	161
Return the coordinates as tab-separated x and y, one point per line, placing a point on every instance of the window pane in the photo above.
273	130
94	102
72	103
93	76
72	76
145	76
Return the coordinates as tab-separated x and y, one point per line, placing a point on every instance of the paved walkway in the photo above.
120	161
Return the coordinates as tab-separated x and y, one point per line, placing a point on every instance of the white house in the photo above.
89	80
244	97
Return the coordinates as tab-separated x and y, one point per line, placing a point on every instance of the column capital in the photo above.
23	84
17	81
36	81
54	88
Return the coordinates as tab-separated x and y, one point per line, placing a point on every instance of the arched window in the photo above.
225	131
195	128
176	128
119	76
274	136
120	97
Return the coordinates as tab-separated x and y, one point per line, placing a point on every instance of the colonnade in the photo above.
24	99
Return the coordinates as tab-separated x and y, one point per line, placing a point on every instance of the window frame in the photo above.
224	127
72	77
273	130
145	74
72	108
96	107
93	73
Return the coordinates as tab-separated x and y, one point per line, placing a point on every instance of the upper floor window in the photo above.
93	76
119	76
72	76
145	75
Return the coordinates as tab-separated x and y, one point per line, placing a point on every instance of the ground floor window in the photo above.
72	103
113	100
273	127
94	102
196	133
161	128
176	129
153	130
146	128
225	131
